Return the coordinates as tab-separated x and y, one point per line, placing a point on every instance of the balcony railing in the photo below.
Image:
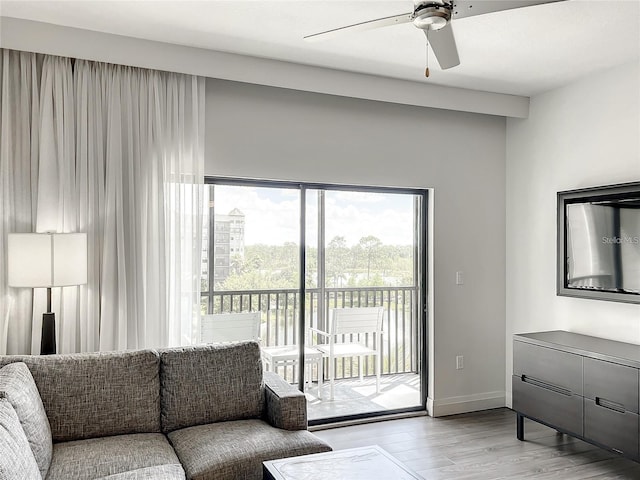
280	311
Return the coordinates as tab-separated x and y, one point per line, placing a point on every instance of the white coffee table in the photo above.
364	463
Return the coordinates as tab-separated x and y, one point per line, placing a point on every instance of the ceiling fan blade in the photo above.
380	22
468	8
443	44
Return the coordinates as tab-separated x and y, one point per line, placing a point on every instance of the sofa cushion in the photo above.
101	457
210	383
233	450
90	395
20	390
161	472
16	458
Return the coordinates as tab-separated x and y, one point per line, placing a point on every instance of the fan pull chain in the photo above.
426	70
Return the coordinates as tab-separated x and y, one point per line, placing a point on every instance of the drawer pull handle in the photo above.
610	405
545	385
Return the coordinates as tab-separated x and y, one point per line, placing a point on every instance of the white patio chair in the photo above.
353	322
230	327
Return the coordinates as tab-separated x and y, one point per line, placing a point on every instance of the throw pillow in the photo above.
16	459
21	391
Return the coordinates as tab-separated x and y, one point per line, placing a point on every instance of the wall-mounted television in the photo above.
599	243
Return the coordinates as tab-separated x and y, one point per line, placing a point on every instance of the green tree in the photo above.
337	256
311	270
369	247
368	263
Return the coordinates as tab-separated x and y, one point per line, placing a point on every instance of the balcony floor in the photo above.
352	397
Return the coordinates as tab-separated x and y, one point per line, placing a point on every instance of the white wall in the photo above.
264	132
585	134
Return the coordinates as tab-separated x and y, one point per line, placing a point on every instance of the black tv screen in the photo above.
599	243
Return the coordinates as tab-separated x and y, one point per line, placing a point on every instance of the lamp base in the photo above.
48	339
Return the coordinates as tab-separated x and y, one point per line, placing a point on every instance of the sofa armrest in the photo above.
285	406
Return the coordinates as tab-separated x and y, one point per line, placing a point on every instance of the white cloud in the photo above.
361	197
272	215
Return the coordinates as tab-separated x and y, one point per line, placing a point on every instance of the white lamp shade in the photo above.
47	259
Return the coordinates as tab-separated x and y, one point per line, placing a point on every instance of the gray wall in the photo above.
582	135
270	133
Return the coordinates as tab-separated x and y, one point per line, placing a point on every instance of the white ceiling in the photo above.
522	52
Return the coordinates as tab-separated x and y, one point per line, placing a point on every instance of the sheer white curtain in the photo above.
121	158
153	176
184	203
56	207
19	113
90	88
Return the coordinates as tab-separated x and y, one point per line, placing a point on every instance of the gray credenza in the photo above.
584	386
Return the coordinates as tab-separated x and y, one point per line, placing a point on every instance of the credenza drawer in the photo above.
548	365
548	403
617	384
613	429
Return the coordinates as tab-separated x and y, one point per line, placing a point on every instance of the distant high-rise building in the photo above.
236	231
228	242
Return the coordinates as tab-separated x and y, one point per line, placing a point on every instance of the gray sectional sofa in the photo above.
202	412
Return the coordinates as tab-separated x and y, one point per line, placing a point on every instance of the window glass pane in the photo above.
256	238
369	239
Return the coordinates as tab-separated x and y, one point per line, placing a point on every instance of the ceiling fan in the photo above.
434	18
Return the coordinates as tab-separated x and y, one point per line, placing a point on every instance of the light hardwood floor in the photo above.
483	445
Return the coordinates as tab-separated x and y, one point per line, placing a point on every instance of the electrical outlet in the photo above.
459	279
459	362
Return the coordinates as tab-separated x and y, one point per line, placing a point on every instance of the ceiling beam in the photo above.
27	35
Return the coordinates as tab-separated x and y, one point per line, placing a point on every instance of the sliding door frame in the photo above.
421	272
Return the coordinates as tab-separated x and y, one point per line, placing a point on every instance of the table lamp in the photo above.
45	260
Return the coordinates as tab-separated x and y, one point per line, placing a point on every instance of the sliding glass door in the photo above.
336	275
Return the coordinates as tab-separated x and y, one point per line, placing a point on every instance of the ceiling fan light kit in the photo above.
432	17
435	20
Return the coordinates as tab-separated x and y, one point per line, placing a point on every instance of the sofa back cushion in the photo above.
210	383
89	395
18	387
16	458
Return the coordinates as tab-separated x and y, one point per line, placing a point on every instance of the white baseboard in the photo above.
441	407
